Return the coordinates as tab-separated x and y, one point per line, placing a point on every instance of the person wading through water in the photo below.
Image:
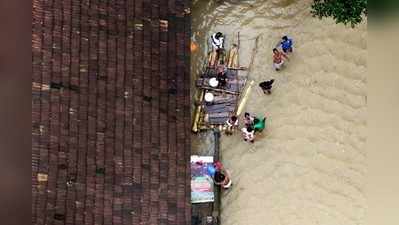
259	125
278	59
266	86
222	178
248	119
286	44
248	134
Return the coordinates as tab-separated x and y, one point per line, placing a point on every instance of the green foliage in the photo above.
343	11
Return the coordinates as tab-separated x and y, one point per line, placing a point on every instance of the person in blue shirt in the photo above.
286	44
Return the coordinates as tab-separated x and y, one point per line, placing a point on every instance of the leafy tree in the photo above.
343	11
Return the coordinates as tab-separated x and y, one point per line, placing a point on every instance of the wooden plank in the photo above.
218	115
218	120
220	90
224	99
220	108
229	110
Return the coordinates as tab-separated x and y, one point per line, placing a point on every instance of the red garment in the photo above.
218	165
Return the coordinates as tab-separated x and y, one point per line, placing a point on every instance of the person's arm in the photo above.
226	173
226	179
214	42
285	55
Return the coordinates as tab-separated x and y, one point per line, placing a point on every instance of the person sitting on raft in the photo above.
222	178
231	125
278	59
222	79
266	86
286	44
217	40
248	133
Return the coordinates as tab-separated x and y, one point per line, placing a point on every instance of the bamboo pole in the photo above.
244	98
197	113
237	68
254	51
237	64
232	56
220	90
235	59
212	58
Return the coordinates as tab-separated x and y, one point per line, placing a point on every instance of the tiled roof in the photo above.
111	112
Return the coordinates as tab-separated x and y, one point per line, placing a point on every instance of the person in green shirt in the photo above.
259	125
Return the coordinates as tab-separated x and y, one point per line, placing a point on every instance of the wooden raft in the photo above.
226	98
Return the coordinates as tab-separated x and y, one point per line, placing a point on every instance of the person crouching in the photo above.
231	125
267	86
222	178
249	134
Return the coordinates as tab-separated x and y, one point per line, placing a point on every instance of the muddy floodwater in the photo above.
308	167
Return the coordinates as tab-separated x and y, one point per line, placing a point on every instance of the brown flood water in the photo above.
309	166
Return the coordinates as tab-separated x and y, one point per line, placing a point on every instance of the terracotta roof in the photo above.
111	112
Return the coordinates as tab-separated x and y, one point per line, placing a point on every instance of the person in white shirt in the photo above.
231	125
249	134
217	40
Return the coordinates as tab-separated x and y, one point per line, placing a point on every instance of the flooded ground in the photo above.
308	167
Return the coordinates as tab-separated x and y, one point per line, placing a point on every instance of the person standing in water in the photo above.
278	59
248	134
248	119
222	178
286	44
259	125
266	86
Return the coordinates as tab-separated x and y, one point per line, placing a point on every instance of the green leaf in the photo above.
342	11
